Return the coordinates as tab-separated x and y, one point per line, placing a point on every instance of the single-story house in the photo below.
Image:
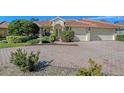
85	29
3	28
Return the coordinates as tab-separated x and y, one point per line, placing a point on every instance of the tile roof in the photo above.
75	23
98	23
41	23
80	23
4	24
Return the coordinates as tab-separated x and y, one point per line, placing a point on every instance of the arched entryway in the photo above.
58	29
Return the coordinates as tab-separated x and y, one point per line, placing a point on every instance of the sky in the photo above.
108	18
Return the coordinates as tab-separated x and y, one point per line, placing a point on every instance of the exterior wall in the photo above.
3	32
80	33
121	32
58	21
102	34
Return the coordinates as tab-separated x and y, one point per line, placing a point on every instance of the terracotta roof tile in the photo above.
75	23
98	23
4	24
41	23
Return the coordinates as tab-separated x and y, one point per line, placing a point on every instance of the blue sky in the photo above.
108	18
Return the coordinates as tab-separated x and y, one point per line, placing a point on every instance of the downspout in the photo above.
88	34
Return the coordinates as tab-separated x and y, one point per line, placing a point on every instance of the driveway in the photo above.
110	54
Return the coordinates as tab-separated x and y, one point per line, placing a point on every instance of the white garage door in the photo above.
101	35
80	34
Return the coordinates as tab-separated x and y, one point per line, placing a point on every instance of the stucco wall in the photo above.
3	32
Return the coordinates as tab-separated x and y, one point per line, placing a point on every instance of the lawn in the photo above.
6	45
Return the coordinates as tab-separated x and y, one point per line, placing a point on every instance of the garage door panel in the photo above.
80	38
101	35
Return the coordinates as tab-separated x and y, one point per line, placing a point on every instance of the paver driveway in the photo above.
107	53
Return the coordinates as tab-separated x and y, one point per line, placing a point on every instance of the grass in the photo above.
6	45
120	37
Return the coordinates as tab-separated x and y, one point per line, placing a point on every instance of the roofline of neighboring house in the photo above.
3	27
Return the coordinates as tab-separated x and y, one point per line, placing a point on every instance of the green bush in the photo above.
33	41
120	37
25	61
32	37
93	70
23	27
67	36
52	37
16	39
3	41
45	39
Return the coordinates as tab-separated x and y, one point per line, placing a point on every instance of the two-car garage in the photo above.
94	34
102	34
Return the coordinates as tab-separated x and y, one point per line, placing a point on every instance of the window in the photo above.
68	28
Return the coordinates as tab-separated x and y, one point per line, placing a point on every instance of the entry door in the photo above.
58	33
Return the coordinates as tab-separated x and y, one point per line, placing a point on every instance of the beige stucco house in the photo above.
85	29
3	28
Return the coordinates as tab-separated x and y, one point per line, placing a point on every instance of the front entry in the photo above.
58	33
58	30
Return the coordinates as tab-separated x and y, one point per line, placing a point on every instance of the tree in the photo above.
34	19
23	27
104	20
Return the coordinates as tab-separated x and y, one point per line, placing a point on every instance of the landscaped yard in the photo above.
6	45
67	59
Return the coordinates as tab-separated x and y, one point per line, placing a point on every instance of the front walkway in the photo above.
107	53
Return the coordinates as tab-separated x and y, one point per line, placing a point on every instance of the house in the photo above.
85	29
3	28
120	31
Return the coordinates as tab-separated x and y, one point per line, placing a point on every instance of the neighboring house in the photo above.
120	31
85	29
3	28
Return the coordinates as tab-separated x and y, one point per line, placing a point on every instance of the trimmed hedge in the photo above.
16	39
34	41
3	41
45	39
67	36
120	37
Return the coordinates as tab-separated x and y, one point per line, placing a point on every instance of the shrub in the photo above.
3	41
45	39
24	61
120	37
52	37
32	37
33	41
67	36
93	70
16	39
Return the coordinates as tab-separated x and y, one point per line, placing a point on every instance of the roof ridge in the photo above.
95	21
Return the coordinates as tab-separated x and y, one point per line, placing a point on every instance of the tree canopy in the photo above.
23	27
